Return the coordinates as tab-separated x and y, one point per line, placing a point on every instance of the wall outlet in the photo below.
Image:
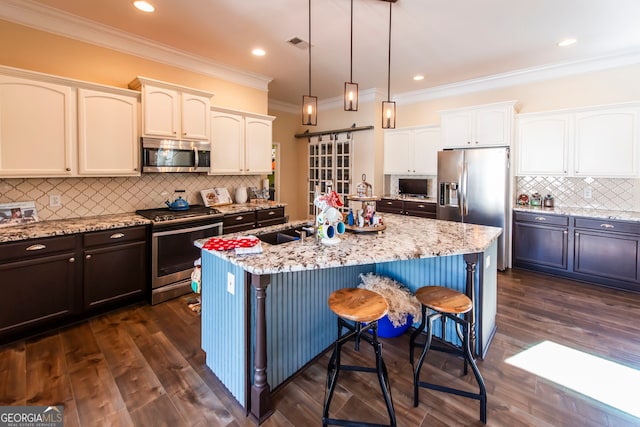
231	283
55	200
588	193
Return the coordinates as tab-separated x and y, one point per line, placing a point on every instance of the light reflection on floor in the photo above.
611	383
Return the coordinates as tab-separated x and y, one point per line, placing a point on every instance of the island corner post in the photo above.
260	404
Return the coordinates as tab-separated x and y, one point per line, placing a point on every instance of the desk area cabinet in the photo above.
423	209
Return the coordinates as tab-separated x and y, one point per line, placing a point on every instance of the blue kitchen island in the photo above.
265	316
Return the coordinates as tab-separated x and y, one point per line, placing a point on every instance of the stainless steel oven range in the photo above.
172	250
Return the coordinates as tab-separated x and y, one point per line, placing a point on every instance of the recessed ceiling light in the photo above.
144	6
566	42
258	52
418	77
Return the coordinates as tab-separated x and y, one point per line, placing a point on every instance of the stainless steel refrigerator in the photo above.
473	187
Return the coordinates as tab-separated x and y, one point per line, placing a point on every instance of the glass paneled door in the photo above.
329	165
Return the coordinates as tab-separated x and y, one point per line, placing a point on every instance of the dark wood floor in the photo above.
143	366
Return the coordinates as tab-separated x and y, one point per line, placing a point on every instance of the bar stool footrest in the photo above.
455	391
349	423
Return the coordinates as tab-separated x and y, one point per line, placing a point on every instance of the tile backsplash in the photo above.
99	196
606	193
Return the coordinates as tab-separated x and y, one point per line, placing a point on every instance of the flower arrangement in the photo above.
402	302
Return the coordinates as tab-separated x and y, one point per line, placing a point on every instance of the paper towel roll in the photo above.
265	183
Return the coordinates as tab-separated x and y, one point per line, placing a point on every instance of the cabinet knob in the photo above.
72	259
565	232
135	169
68	169
577	234
36	247
541	218
476	142
468	142
88	257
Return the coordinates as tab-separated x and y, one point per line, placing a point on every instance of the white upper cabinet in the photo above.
56	127
485	125
240	143
171	111
412	151
606	142
594	141
36	128
543	144
108	142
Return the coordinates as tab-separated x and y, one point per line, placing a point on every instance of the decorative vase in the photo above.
241	195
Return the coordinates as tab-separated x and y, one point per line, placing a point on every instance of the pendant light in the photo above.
309	103
350	88
389	107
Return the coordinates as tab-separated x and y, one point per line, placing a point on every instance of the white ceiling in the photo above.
446	40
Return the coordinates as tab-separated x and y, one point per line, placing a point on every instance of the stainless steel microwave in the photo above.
166	155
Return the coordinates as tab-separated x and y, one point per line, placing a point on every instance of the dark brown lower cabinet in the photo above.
51	281
39	284
114	266
407	207
601	251
541	245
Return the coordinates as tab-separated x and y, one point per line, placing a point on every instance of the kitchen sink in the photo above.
283	236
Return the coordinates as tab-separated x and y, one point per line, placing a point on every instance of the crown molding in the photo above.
45	18
522	76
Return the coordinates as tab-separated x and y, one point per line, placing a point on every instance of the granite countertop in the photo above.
61	227
404	238
584	212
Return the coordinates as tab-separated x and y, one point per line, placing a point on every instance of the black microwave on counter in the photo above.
167	155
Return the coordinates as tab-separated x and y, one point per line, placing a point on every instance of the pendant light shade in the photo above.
350	88
309	102
309	110
388	106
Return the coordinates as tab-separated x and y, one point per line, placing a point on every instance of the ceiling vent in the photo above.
298	42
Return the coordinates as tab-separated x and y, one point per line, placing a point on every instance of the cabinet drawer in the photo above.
390	206
608	225
238	219
36	247
420	207
119	235
541	218
268	214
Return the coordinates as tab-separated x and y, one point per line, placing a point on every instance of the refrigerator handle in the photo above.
464	206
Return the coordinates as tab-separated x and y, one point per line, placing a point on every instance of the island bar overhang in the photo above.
274	319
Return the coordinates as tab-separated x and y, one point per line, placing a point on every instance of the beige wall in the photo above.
595	88
293	175
24	47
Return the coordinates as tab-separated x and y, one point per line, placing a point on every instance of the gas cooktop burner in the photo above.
165	214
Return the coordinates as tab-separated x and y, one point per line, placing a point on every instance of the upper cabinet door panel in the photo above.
36	137
543	145
426	145
398	149
257	153
161	108
195	117
107	134
492	127
227	143
606	143
456	129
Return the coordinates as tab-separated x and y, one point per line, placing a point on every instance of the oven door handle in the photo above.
187	230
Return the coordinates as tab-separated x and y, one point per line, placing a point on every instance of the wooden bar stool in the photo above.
446	304
363	308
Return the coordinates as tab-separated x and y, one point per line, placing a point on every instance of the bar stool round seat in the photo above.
446	304
358	312
358	305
